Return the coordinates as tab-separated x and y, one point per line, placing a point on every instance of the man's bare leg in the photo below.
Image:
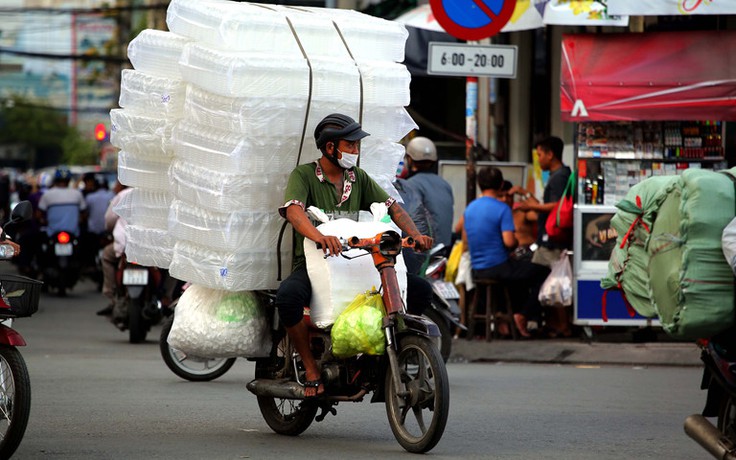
299	335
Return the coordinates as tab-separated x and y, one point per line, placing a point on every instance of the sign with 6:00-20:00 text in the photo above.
457	59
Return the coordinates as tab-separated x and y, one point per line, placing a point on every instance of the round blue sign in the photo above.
472	19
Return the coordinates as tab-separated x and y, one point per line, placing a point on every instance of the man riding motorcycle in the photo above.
62	208
334	183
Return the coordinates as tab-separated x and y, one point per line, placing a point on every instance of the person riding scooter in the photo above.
333	183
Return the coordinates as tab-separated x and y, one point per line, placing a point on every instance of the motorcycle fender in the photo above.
418	325
135	291
448	312
11	337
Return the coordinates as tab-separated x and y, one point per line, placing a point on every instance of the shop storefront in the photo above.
643	105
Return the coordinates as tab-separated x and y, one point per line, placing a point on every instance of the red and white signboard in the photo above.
670	7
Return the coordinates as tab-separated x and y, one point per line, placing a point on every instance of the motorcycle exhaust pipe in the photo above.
276	389
709	438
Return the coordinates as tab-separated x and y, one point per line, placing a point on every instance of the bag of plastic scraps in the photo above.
214	323
556	291
358	328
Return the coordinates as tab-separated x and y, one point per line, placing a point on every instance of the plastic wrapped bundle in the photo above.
243	74
229	25
142	92
141	135
359	328
136	172
225	192
385	83
232	231
387	123
229	152
219	324
150	247
380	158
254	116
157	52
248	27
149	208
232	271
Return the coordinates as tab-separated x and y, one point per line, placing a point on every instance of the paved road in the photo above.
97	397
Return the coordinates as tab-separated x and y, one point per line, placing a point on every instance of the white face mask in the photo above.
348	160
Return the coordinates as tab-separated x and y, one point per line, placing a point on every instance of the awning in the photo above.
670	7
649	76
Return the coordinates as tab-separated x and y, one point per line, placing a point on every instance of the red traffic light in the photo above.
100	132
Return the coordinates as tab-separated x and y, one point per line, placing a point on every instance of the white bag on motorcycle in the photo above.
336	280
214	323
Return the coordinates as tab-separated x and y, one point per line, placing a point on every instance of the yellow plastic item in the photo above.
359	329
453	262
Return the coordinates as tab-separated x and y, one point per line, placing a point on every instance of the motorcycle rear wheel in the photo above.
137	326
284	416
444	341
15	400
192	368
727	418
424	378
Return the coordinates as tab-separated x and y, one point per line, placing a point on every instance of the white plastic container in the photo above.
136	172
387	123
148	208
379	157
141	135
233	231
385	83
229	152
244	74
149	247
226	192
231	271
157	52
254	116
152	94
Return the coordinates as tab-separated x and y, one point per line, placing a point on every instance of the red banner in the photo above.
649	76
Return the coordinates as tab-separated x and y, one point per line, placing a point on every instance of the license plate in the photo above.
63	249
447	290
132	277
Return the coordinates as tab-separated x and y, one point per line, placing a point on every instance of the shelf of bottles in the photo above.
614	156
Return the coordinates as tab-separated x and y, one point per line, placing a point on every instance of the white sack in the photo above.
335	280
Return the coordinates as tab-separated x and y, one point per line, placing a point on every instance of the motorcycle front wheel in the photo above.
138	329
417	410
444	341
15	400
284	416
192	368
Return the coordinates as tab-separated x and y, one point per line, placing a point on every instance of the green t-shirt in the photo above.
308	187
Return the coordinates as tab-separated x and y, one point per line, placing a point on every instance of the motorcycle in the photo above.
185	365
719	379
19	297
137	304
410	378
60	265
444	310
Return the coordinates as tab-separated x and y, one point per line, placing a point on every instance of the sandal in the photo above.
314	384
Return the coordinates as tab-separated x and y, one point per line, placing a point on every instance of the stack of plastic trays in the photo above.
152	100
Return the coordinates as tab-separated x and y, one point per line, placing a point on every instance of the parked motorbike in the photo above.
410	378
444	310
60	262
137	304
19	297
719	379
185	365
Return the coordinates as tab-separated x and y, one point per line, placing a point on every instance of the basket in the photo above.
21	293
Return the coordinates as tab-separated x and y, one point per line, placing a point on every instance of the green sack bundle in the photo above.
628	265
358	329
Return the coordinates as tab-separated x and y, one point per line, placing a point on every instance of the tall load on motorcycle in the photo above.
688	282
218	111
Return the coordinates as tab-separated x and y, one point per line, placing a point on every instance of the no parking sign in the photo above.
472	19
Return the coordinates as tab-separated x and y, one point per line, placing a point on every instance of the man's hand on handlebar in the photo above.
423	243
330	245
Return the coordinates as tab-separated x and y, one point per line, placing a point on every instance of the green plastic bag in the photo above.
359	329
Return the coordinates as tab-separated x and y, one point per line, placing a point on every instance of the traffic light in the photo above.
100	132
